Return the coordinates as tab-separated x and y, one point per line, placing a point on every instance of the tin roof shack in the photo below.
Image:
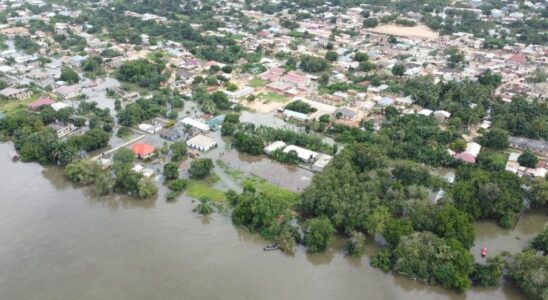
14	93
170	134
202	143
304	155
537	146
274	146
322	161
61	129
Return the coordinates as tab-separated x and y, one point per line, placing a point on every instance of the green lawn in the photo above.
271	190
270	96
200	188
256	82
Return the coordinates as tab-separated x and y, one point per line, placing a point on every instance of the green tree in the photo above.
204	207
356	243
495	138
178	151
85	171
146	188
331	55
318	234
529	272
398	70
488	274
527	159
68	75
200	168
171	171
540	242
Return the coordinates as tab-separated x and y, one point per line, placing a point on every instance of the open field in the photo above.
421	31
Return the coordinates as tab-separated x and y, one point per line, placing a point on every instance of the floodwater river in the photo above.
59	241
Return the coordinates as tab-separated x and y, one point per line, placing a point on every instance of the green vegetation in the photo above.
256	82
318	234
434	259
200	168
68	75
143	73
313	64
300	106
199	189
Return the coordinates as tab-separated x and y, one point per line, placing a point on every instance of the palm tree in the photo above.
204	207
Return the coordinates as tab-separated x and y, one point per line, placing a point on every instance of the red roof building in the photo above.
143	150
34	105
466	157
517	59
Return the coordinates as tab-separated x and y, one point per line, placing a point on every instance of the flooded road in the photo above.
59	241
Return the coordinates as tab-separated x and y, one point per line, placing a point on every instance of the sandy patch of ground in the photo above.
421	31
263	106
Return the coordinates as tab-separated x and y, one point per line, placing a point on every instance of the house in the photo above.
345	113
34	105
59	105
538	146
517	59
197	125
68	91
243	92
322	161
61	129
202	143
470	154
15	93
274	146
215	123
170	134
442	115
14	31
149	128
143	151
295	115
146	172
304	155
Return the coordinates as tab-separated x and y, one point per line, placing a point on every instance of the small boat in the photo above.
484	252
271	247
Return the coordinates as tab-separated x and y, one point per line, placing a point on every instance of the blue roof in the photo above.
386	101
216	121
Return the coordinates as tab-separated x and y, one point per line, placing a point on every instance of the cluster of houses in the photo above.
316	161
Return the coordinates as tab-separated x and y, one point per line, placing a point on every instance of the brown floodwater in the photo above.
59	241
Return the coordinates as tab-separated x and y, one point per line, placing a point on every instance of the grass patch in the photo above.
270	96
10	106
272	191
201	188
256	82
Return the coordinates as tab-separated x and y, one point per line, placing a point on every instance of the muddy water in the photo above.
58	241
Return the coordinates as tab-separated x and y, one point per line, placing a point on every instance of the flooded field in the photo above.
60	241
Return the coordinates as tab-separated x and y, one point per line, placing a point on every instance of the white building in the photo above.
274	146
304	154
202	143
196	124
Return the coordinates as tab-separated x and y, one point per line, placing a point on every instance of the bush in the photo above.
382	259
178	185
146	188
171	171
318	234
200	168
356	243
